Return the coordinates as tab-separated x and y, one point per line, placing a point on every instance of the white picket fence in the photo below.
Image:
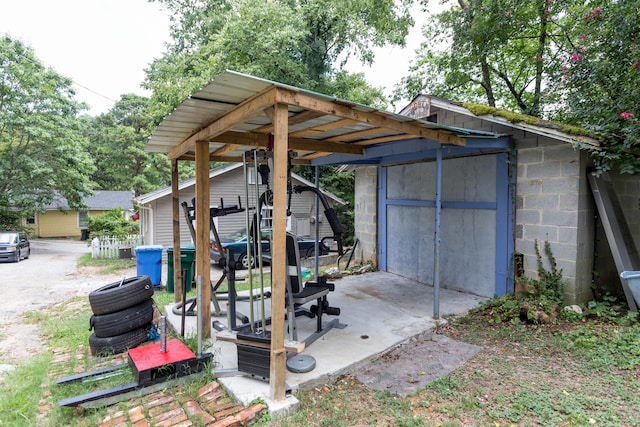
109	247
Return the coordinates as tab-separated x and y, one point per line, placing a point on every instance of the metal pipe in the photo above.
248	229
436	251
317	243
199	310
163	334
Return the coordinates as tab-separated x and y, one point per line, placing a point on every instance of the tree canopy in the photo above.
568	60
117	141
302	43
41	140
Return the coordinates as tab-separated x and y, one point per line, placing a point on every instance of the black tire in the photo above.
119	295
121	322
118	343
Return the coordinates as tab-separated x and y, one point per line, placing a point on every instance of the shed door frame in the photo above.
503	206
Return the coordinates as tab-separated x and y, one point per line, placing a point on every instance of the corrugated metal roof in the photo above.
232	113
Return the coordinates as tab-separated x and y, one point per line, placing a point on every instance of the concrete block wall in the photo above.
553	203
366	212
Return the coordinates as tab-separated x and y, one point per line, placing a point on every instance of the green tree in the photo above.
602	76
496	52
117	146
302	43
41	140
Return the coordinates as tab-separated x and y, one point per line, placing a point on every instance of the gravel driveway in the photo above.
49	276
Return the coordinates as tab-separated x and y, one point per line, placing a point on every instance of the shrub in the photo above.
111	223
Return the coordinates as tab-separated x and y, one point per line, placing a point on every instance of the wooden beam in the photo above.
232	336
277	367
307	102
261	140
175	209
323	128
295	119
357	135
203	257
244	111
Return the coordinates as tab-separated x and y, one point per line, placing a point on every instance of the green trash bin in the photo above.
187	262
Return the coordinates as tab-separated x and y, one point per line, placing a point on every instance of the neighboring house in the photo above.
227	183
60	221
495	203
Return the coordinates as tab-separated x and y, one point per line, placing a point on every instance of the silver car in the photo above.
14	246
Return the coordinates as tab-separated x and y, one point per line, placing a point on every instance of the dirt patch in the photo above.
410	366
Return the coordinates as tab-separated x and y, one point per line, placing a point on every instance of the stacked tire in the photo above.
122	315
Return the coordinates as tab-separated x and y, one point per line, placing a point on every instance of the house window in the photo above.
30	220
82	219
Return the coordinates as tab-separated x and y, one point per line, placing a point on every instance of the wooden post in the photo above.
203	258
175	204
277	369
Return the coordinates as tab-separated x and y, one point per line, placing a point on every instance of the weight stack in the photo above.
254	360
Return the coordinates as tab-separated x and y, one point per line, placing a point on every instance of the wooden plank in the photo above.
203	257
293	120
231	336
623	249
323	128
175	215
244	111
277	368
310	103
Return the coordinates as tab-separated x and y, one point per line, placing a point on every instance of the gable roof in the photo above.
163	192
423	105
99	200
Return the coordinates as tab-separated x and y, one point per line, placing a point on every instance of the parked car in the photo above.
14	246
237	242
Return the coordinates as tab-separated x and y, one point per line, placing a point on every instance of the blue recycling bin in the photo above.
149	263
632	279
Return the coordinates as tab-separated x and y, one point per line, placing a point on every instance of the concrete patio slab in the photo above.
380	310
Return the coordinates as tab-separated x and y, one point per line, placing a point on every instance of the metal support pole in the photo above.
317	244
436	252
199	309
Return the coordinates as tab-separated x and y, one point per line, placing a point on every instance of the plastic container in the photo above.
149	263
632	278
187	262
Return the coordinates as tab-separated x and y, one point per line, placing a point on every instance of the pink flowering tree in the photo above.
603	80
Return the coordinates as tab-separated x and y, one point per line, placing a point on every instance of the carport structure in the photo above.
236	113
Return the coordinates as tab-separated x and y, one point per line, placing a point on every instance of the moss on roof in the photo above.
483	110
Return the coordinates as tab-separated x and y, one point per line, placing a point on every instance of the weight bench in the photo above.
299	294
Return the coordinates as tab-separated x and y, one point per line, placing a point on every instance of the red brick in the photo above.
241	418
214	395
141	423
136	414
174	421
157	410
226	412
163	400
194	410
176	412
113	421
208	388
223	404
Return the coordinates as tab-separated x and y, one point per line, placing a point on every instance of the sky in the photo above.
105	45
